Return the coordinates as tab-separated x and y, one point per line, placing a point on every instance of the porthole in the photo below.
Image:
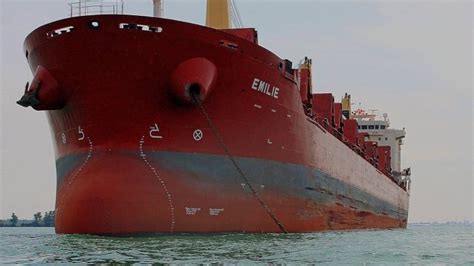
94	24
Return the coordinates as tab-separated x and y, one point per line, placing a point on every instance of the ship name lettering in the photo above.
265	88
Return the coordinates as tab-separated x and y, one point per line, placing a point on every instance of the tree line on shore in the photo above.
39	220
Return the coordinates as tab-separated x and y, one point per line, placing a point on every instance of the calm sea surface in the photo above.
421	244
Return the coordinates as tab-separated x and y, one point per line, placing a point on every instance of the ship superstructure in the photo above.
162	126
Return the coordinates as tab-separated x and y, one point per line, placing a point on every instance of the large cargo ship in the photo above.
162	126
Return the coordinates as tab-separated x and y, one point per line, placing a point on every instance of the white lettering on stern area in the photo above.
265	88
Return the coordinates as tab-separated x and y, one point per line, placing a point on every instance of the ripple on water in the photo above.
417	244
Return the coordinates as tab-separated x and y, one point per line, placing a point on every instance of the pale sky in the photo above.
410	59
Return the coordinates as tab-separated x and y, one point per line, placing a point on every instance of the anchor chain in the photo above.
231	158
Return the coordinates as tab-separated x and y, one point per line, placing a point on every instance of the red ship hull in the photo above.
133	157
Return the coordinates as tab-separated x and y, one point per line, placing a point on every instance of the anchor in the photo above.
44	92
30	97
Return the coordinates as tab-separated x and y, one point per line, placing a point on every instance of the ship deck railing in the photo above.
95	7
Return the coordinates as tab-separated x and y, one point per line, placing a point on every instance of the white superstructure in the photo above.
380	132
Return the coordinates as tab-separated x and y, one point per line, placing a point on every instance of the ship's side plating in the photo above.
132	157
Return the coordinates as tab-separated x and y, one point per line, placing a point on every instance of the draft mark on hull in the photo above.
162	182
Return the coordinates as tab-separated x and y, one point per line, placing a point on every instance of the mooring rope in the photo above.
242	175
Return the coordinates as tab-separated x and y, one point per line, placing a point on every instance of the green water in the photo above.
420	244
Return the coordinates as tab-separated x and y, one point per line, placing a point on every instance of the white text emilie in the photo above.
264	87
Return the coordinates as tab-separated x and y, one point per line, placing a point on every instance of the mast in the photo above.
346	106
218	14
158	8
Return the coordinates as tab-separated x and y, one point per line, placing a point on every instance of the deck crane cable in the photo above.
233	21
234	12
232	16
241	22
239	18
216	132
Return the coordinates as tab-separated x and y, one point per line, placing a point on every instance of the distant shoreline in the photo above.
26	226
